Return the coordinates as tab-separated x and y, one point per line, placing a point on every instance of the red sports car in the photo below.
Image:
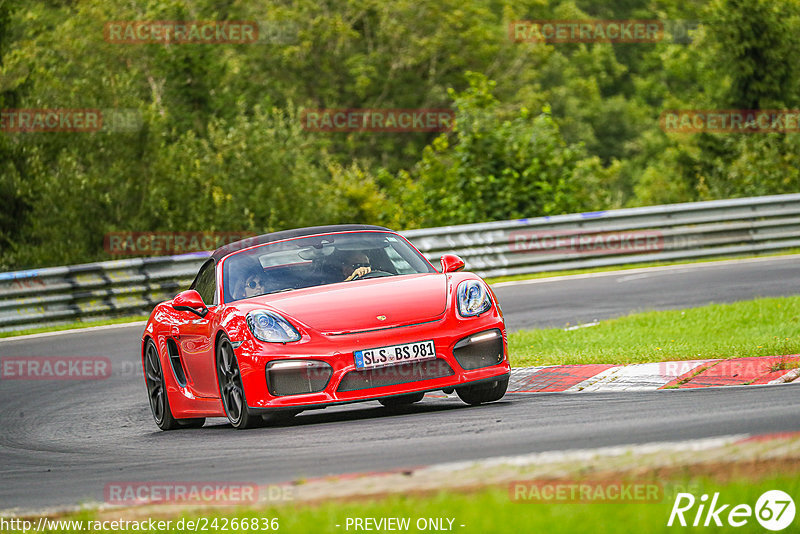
314	317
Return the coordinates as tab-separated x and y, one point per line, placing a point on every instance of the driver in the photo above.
355	265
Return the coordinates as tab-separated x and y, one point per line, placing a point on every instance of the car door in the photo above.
195	337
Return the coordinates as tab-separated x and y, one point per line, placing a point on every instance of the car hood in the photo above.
365	304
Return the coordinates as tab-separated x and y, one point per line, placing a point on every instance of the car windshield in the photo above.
318	260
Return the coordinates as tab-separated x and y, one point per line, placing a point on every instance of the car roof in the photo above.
223	251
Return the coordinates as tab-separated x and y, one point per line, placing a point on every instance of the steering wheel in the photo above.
372	274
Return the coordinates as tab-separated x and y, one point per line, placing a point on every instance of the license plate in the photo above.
407	352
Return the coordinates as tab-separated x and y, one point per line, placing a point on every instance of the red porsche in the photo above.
314	317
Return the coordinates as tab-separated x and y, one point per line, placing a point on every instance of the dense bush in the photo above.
218	144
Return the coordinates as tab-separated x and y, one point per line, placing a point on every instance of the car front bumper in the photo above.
345	383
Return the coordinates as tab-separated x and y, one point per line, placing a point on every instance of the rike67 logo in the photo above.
774	510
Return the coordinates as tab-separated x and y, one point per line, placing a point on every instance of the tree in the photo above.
501	165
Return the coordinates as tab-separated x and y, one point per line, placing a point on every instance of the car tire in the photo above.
231	390
402	400
489	391
157	390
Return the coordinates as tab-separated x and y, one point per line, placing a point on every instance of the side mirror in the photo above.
451	263
191	301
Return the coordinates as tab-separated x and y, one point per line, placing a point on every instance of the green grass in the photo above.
761	327
611	268
491	510
785	365
73	325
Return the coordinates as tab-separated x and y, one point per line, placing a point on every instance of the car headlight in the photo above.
473	298
271	327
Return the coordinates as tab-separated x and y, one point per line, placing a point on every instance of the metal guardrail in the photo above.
682	231
58	295
43	297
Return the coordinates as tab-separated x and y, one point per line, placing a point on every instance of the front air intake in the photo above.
395	374
479	350
297	377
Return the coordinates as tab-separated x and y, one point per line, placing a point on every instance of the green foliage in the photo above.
499	165
740	60
753	41
541	128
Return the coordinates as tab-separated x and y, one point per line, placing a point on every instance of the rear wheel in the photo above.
401	400
489	391
156	389
231	389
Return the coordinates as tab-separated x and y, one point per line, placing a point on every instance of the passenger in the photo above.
249	281
255	284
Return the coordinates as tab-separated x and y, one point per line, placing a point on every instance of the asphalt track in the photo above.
61	442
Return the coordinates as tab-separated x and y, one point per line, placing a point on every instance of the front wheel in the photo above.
488	391
231	389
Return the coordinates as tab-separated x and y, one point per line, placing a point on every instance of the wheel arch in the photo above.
217	337
145	340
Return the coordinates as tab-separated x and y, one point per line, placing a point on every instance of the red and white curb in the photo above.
652	376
